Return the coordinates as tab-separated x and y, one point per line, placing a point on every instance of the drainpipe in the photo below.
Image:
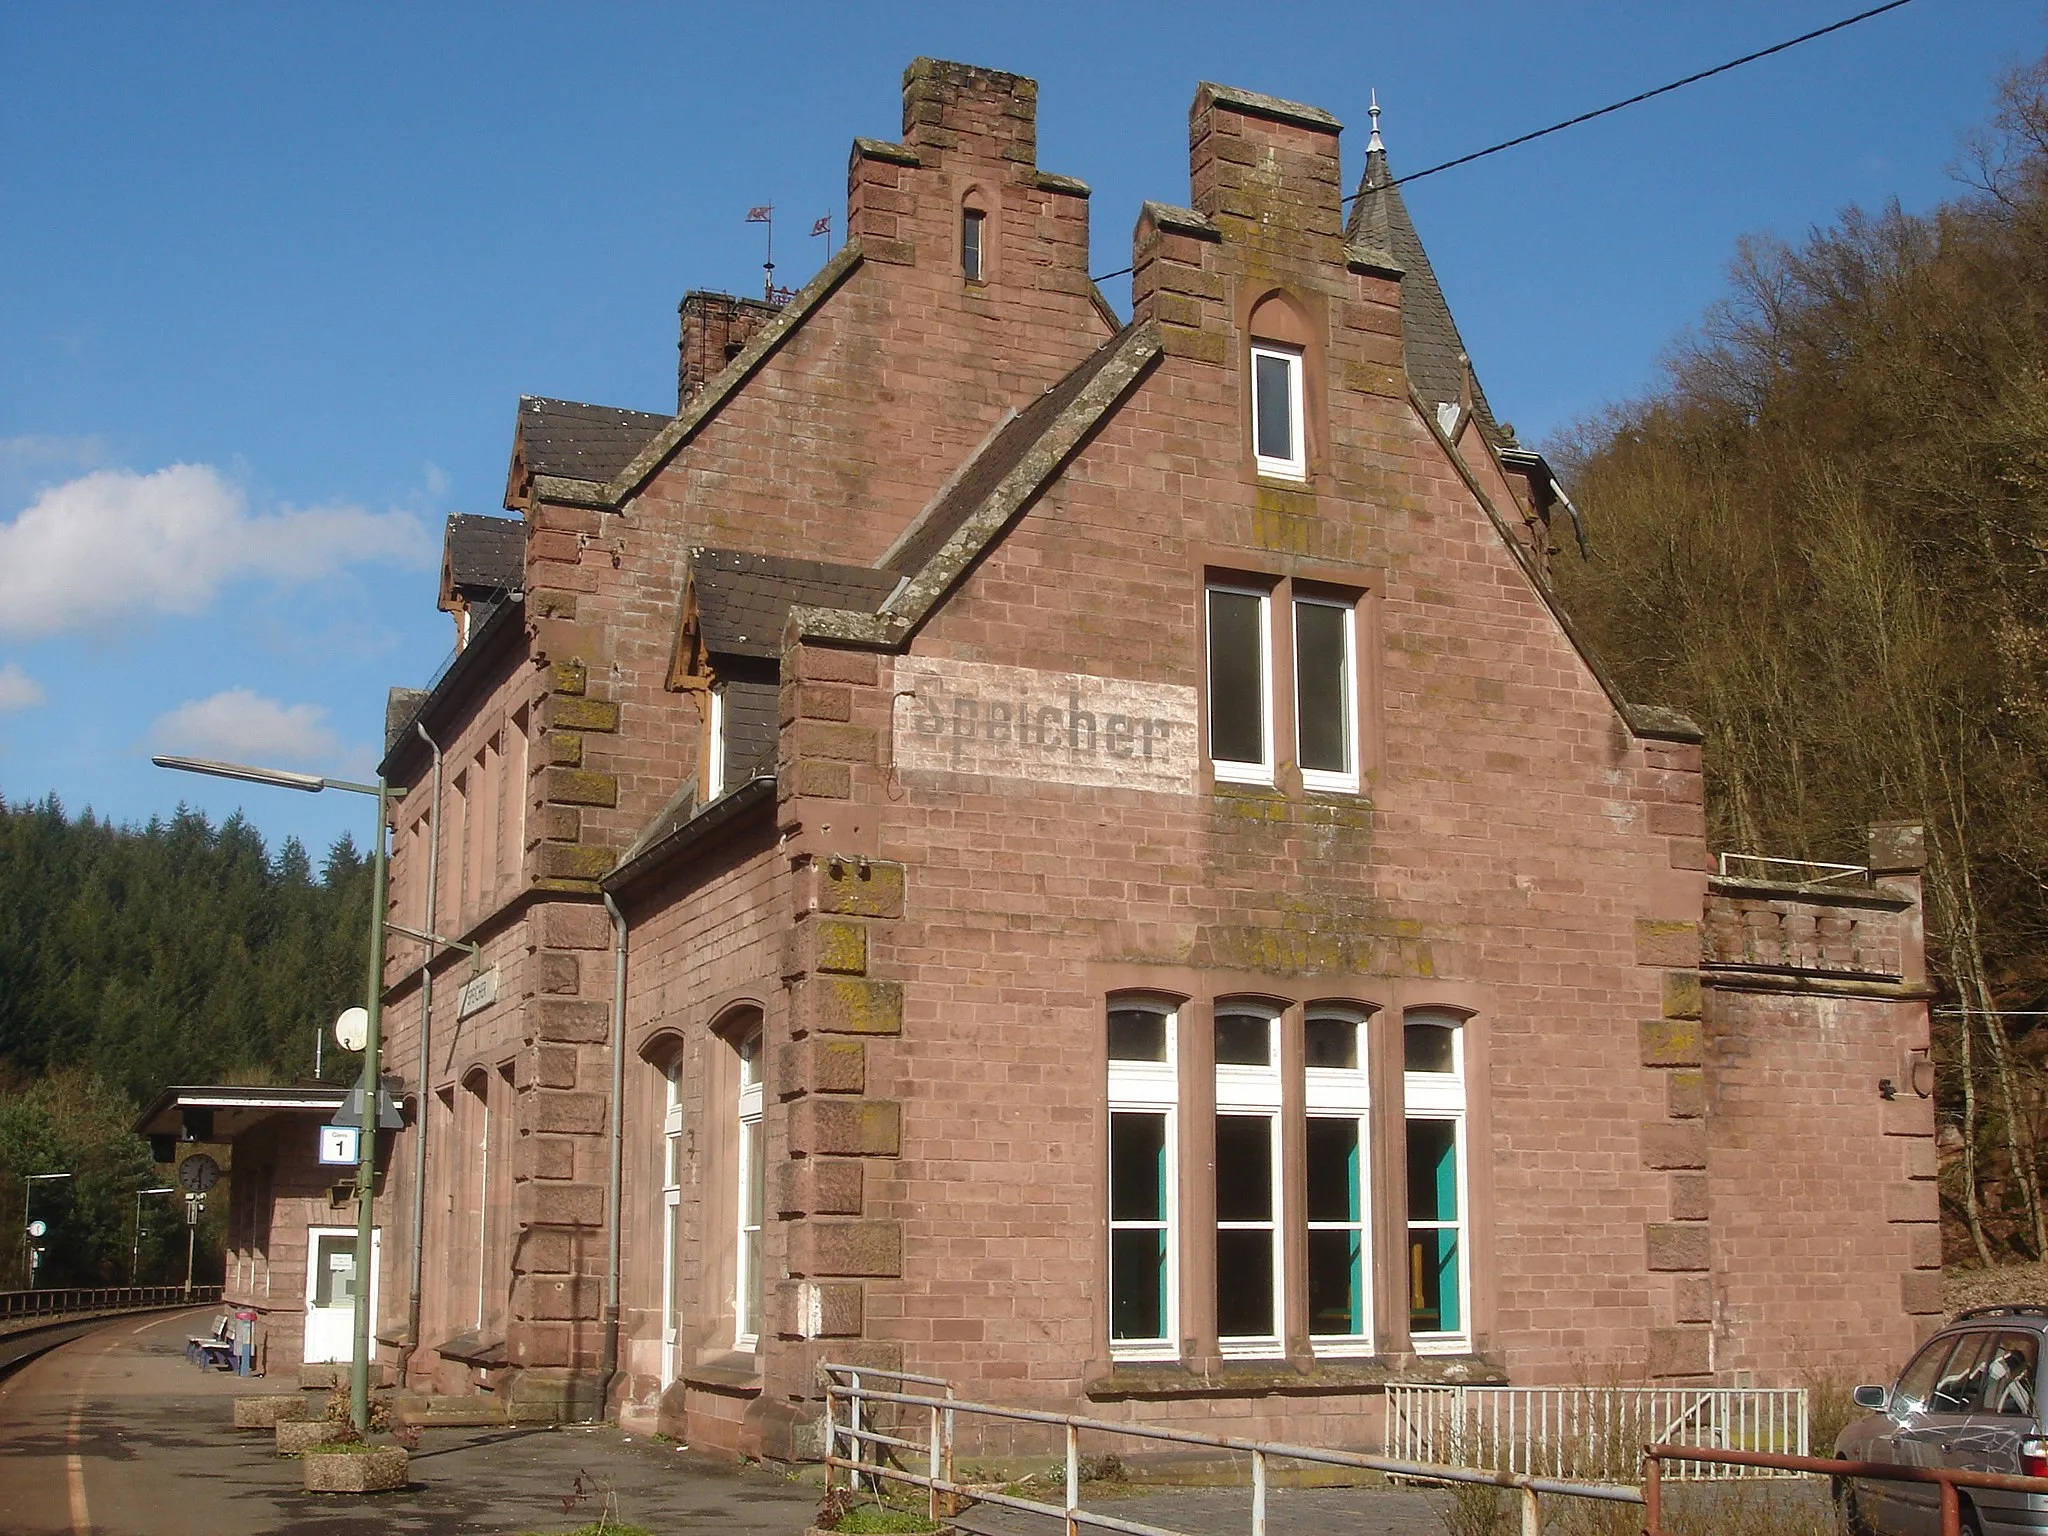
419	1129
609	1360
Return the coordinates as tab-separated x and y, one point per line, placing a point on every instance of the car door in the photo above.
1989	1439
1878	1438
1927	1437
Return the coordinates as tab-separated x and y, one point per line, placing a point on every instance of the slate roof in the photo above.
743	600
486	552
582	442
1430	339
982	473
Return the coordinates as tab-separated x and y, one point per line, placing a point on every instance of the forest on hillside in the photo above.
1825	537
133	958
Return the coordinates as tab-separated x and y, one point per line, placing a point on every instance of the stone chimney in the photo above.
714	328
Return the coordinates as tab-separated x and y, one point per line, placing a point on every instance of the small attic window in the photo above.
1277	437
973	243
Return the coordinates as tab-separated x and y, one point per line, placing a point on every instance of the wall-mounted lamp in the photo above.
1887	1089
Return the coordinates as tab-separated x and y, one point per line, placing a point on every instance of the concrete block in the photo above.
1920	1292
579	786
562	712
819	1187
1685	1094
265	1410
818	1065
297	1435
1666	943
566	1021
836	944
365	1469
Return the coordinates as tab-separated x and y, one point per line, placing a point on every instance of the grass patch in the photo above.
875	1520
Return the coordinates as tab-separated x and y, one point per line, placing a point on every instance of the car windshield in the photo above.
1916	1382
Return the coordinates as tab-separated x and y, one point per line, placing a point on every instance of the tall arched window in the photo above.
1277	369
671	1208
1337	1143
1439	1257
1250	1269
752	1195
1143	1182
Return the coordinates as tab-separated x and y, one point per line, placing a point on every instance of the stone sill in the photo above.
1365	1373
740	1376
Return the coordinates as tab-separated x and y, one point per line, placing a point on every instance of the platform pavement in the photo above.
115	1434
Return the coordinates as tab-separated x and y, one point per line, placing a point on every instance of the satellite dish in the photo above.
352	1029
38	1228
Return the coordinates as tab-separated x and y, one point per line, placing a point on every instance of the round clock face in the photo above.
198	1173
38	1228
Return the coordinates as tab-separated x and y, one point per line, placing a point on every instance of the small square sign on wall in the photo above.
338	1144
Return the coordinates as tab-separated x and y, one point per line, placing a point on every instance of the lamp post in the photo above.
135	1253
28	1189
366	1164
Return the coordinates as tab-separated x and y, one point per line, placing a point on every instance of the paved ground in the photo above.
114	1434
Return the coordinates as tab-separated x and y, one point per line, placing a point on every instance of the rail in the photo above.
844	1385
1591	1431
1831	871
1950	1478
59	1300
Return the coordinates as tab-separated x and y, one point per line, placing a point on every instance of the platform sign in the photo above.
340	1145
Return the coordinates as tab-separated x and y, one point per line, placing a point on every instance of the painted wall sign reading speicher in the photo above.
1063	727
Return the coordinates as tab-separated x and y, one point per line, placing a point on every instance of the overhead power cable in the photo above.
1705	74
1639	97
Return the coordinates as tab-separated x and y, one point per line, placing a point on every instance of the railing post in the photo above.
1073	1479
854	1443
952	1499
1653	1494
1532	1512
1951	1510
831	1435
1258	1493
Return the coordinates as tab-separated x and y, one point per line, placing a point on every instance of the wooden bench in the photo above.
216	1348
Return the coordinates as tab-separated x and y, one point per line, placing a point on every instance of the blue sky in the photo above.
273	277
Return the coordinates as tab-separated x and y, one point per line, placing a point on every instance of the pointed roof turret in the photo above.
1438	368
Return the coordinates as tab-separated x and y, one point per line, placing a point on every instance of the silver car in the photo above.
1970	1399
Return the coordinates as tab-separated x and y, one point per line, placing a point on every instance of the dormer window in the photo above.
1278	442
973	243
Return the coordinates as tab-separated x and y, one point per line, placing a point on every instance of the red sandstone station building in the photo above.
1083	858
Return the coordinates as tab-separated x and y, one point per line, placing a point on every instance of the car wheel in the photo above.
1849	1511
1967	1520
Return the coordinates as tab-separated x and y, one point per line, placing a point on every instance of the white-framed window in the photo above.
1250	1271
973	243
1240	697
1326	693
1144	1188
1278	442
714	745
752	1198
1338	1102
1439	1254
672	1155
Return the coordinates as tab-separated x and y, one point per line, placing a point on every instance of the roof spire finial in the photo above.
1373	112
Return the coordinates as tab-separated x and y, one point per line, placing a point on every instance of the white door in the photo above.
331	1293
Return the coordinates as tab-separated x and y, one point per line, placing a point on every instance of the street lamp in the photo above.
135	1253
28	1238
366	1164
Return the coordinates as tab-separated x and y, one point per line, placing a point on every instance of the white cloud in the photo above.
109	545
17	689
241	726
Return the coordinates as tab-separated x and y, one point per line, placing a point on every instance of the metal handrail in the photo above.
56	1301
1949	1478
940	1485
